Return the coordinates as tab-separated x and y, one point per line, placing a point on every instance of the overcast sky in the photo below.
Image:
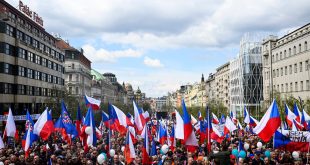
160	45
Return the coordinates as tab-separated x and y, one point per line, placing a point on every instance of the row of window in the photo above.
11	31
293	87
28	55
32	29
19	89
289	69
285	54
30	73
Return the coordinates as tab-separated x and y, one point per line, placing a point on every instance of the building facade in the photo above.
222	84
286	64
102	88
246	79
77	71
32	67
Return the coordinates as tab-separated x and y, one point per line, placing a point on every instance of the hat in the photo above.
232	157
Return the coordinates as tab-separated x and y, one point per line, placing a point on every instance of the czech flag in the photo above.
171	139
29	137
191	143
78	122
246	116
188	128
146	116
307	117
296	126
93	103
146	147
193	120
253	122
215	120
269	123
90	122
229	126
223	120
162	134
10	127
297	112
105	119
233	116
44	125
290	116
139	118
216	135
303	120
129	151
199	116
119	120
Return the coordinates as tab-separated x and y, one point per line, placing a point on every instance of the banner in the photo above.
20	117
292	140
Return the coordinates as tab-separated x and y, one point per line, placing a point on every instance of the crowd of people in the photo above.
56	151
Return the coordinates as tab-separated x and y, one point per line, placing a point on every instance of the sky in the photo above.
159	45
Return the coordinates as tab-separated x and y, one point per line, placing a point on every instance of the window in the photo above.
53	52
77	90
277	72
27	39
59	68
37	73
41	47
77	78
284	53
291	87
277	57
299	48
20	35
38	59
307	65
49	92
47	50
30	56
43	61
286	87
7	88
300	67
281	71
72	66
70	77
54	66
7	68
301	85
306	46
38	91
54	80
22	53
44	91
296	86
8	49
294	50
291	69
9	30
307	85
295	68
21	89
49	64
21	71
43	76
280	55
282	88
49	78
70	90
289	52
285	70
30	73
278	87
35	43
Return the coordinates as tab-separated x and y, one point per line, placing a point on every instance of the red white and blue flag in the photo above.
93	103
44	125
10	127
70	128
229	126
269	123
292	140
200	116
129	151
146	147
59	127
139	118
290	116
78	121
297	113
246	116
90	122
28	137
188	128
215	120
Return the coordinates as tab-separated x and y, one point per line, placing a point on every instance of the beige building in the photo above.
102	88
210	88
222	84
31	65
288	58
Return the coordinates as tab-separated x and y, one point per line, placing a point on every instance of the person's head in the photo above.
266	160
115	158
232	159
21	158
36	158
190	160
273	155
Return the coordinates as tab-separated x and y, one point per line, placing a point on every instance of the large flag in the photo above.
162	134
146	116
229	126
223	119
269	123
193	120
59	127
307	117
105	119
10	127
44	125
233	116
78	122
297	112
28	137
93	103
290	116
303	120
253	122
188	128
90	122
199	115
171	139
139	118
191	143
146	147
296	126
129	151
119	120
292	140
67	121
216	135
179	126
215	120
246	116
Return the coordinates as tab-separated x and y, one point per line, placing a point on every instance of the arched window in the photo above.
280	55
289	52
277	57
284	53
306	46
294	50
299	48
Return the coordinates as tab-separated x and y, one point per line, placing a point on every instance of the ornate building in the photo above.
102	88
